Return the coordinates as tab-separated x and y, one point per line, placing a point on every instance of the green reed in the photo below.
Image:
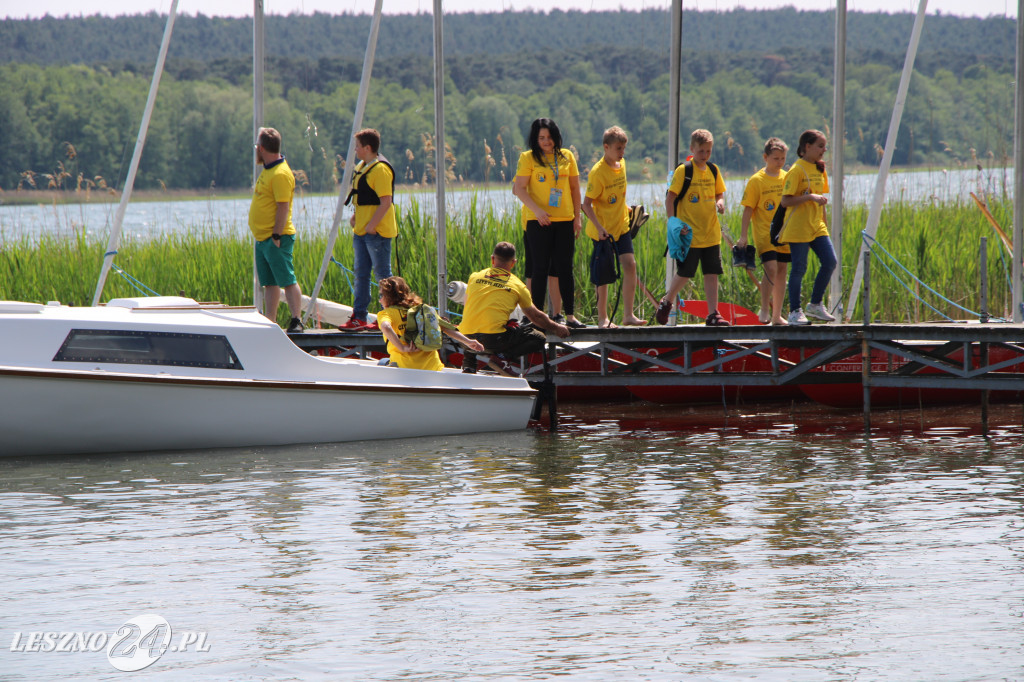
937	242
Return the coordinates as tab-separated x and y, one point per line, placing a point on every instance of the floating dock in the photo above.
848	362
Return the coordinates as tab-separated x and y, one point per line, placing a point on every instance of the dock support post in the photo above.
865	348
984	392
550	391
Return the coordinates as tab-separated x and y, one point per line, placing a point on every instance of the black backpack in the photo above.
778	222
687	179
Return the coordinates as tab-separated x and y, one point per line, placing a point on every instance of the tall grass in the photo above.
937	242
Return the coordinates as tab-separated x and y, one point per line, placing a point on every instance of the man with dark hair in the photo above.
373	222
270	219
491	296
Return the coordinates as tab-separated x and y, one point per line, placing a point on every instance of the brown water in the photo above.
636	543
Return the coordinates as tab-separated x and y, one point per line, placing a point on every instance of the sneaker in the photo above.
818	311
560	319
715	319
295	326
354	324
797	317
739	257
371	327
664	308
762	316
574	324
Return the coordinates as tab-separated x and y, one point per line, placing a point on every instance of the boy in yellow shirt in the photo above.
606	209
696	205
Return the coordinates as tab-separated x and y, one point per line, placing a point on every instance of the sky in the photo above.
236	8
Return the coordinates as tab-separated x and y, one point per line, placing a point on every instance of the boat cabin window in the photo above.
148	348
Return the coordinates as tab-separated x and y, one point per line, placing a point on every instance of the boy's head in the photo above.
368	137
775	153
701	143
504	255
615	140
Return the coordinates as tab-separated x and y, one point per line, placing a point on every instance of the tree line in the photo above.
73	125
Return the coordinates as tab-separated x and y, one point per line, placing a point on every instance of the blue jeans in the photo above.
822	248
371	251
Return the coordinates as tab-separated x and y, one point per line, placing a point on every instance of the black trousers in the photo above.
552	245
514	342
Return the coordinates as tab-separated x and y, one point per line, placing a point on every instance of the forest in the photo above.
75	87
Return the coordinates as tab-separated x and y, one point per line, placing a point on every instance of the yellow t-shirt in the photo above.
763	193
697	208
379	178
545	177
418	359
491	296
807	221
606	186
273	185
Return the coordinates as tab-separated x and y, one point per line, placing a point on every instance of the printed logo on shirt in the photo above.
693	198
769	205
540	178
612	199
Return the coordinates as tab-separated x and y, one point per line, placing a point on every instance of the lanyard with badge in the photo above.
555	197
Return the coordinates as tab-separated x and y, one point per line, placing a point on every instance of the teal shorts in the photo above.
274	263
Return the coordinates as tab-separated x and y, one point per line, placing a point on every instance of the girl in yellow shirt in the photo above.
397	298
803	196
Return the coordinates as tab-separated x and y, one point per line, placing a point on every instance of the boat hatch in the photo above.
20	307
148	348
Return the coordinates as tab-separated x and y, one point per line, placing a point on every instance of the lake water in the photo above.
151	219
637	542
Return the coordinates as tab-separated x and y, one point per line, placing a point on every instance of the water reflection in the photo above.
636	541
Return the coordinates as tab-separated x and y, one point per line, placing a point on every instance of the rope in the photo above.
872	243
348	279
136	284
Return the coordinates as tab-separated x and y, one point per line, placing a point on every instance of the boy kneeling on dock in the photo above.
491	296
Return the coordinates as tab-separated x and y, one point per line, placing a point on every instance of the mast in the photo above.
258	60
875	211
140	142
675	58
346	178
439	158
838	151
1018	172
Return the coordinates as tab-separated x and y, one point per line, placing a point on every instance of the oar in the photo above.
992	220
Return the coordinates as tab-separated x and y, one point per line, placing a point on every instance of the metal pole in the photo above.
867	288
439	159
1018	173
133	167
346	177
838	149
983	265
675	73
875	211
258	61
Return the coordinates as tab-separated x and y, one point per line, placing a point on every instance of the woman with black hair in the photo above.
548	183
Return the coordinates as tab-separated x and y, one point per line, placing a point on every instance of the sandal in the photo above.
716	320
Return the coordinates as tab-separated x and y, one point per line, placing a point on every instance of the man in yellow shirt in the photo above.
696	206
373	223
270	219
491	296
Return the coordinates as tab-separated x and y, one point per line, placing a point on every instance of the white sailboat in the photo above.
166	373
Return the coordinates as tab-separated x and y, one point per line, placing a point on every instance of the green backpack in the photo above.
423	327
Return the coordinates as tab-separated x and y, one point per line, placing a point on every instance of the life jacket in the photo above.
361	190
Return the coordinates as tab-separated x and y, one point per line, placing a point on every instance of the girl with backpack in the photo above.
397	299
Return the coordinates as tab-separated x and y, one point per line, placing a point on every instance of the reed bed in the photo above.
937	242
